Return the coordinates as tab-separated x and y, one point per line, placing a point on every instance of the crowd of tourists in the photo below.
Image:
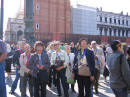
62	65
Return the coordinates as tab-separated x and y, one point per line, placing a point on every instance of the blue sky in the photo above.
12	6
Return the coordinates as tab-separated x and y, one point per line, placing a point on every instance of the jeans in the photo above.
2	80
84	83
24	79
120	92
61	76
14	85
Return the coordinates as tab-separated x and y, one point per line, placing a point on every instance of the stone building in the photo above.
15	28
95	24
113	25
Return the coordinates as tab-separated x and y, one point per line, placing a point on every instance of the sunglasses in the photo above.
56	44
119	45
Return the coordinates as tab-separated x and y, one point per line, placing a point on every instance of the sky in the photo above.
11	6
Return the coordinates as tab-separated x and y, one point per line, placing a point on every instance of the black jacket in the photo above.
90	59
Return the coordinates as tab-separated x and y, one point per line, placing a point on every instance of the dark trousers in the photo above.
120	92
39	88
26	78
51	77
97	77
84	83
61	76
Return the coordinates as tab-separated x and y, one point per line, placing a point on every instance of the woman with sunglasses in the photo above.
60	61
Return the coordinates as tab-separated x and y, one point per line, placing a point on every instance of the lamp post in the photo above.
1	19
28	19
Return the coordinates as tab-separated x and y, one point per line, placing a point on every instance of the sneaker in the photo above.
12	93
58	95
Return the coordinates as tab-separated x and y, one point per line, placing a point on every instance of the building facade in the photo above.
83	20
95	24
15	28
51	19
113	25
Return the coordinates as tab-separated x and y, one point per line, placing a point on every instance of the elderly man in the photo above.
99	63
3	54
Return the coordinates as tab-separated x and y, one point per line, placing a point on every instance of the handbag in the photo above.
58	61
69	76
83	68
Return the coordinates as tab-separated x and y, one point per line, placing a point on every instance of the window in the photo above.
106	19
127	22
100	31
126	33
110	20
114	32
115	21
105	31
122	22
119	33
100	19
119	22
123	33
37	6
37	26
110	30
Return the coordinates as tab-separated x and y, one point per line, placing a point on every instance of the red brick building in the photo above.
51	19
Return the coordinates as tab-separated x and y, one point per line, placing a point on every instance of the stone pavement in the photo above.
104	90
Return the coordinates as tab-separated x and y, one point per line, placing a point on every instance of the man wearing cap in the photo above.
99	63
3	54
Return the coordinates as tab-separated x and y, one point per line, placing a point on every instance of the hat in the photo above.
2	47
93	42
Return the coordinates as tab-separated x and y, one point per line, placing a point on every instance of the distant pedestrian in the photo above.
3	54
119	70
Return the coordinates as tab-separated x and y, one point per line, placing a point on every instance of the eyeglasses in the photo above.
56	44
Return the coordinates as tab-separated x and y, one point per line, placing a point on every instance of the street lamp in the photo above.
28	19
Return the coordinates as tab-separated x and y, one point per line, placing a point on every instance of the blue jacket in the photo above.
2	80
34	60
90	59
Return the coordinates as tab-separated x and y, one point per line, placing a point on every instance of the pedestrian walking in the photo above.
17	64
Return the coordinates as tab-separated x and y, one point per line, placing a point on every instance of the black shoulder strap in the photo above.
121	58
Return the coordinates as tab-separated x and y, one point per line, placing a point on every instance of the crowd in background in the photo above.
57	63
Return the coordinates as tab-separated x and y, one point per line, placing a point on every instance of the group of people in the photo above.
65	64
